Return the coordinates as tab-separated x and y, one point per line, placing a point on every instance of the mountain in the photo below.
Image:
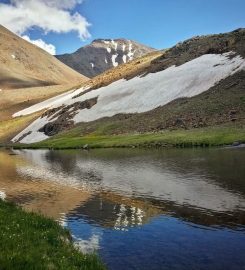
103	54
197	83
23	64
29	74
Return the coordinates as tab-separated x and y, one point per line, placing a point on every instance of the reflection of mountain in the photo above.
188	184
113	213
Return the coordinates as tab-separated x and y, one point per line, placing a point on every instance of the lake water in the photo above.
139	209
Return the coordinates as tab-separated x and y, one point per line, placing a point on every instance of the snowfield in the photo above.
141	94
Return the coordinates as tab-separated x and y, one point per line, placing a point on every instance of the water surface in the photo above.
139	209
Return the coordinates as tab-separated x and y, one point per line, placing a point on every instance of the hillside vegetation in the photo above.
31	241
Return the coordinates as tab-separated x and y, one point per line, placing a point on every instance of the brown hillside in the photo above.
23	64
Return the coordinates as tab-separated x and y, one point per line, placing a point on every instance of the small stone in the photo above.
86	146
232	112
236	143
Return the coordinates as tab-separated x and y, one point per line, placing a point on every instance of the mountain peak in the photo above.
105	40
103	54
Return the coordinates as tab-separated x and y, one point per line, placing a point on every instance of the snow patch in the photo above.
108	49
142	94
51	103
114	44
130	51
35	135
124	58
106	61
92	65
113	59
123	47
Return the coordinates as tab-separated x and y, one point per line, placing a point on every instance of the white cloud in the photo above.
64	4
49	15
50	48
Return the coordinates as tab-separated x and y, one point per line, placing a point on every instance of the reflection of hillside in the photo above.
40	195
123	188
224	166
57	167
199	216
191	177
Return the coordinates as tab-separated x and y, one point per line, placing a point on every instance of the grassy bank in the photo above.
30	241
212	136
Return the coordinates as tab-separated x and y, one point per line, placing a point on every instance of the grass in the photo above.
212	136
31	241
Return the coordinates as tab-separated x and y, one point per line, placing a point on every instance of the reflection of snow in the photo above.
139	215
87	246
128	217
2	195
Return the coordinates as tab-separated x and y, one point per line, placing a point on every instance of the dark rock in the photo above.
236	144
51	129
233	112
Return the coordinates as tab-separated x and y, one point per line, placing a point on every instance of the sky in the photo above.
63	26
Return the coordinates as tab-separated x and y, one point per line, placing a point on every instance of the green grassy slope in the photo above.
30	241
211	136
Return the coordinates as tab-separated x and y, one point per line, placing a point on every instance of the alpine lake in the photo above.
138	209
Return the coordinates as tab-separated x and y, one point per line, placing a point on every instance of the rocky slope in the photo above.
103	54
23	64
197	83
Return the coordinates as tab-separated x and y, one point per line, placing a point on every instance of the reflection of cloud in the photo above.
134	179
87	246
2	195
45	174
39	167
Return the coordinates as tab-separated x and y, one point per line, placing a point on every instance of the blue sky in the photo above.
157	23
